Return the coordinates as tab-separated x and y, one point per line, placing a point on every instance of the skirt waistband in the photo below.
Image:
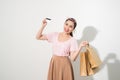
59	56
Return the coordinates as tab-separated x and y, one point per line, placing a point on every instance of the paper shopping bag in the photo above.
93	57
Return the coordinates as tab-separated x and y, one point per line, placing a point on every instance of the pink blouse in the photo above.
61	48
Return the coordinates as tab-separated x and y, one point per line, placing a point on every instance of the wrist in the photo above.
80	46
43	26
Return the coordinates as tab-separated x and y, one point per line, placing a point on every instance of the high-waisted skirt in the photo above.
60	68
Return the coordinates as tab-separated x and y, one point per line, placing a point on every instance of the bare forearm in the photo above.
39	33
75	54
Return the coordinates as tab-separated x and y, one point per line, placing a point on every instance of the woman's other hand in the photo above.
84	43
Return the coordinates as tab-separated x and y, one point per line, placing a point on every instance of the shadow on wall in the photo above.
89	34
113	65
111	61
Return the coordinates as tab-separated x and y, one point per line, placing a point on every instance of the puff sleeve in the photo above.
73	45
50	36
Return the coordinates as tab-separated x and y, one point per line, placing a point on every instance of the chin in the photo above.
66	32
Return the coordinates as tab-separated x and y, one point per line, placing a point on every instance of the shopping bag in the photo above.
89	61
85	67
94	59
83	71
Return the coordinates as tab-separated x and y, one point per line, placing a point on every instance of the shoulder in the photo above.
51	36
73	40
53	33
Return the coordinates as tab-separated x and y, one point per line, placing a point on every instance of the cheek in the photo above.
71	29
66	29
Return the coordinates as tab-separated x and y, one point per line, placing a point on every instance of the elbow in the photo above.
73	57
37	38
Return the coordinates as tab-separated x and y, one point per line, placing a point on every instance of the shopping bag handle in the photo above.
88	45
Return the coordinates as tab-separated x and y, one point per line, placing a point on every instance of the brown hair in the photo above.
75	23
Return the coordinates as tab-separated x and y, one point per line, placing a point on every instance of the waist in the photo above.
60	54
56	57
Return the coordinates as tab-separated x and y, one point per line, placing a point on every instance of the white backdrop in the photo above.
22	57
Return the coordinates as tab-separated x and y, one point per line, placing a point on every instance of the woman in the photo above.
65	47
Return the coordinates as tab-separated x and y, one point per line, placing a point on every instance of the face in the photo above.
68	27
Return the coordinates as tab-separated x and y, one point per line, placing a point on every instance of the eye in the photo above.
66	24
71	26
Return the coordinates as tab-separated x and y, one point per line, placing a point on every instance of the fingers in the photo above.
44	20
85	43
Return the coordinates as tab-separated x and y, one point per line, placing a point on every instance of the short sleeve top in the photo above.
61	48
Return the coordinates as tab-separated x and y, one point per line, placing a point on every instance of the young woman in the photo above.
65	47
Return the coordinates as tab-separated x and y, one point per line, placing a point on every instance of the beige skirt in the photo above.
60	69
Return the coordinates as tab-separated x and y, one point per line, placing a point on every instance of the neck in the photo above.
65	33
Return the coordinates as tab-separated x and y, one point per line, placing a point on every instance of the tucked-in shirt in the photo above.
61	48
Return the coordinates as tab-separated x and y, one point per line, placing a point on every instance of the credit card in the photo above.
48	18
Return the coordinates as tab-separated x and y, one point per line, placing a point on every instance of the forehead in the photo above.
70	22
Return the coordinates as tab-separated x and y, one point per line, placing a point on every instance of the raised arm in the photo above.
39	35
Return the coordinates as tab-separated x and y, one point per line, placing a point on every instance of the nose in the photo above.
66	29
